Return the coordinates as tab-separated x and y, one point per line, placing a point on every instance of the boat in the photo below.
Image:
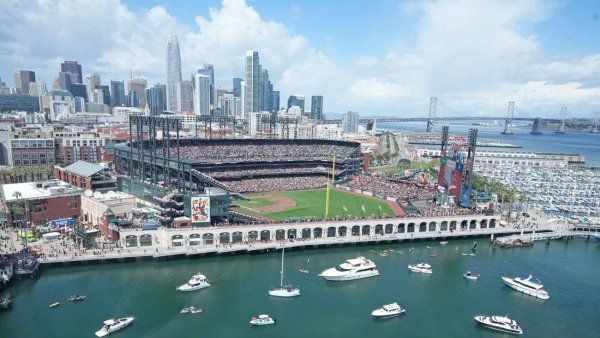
112	325
197	282
444	242
55	304
76	298
191	310
285	291
499	323
388	311
421	267
305	271
471	276
351	269
5	303
262	320
528	285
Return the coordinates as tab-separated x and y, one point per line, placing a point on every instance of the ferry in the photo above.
262	320
388	311
528	285
197	282
351	269
113	325
421	267
499	323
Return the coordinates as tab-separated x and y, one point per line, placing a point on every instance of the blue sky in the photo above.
375	57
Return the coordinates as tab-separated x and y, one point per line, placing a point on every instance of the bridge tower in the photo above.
595	128
432	112
509	116
561	126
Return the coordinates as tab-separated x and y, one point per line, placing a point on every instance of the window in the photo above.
74	204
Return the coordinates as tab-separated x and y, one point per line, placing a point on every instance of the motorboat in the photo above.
76	298
444	242
5	303
285	291
262	320
191	310
55	304
113	325
388	311
528	285
351	269
499	323
471	276
305	271
197	282
421	267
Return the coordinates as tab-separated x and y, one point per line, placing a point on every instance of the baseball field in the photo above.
311	204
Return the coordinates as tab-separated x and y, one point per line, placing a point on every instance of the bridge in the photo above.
433	118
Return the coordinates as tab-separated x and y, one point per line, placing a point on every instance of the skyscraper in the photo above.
253	88
316	107
275	105
105	93
350	122
117	93
209	71
266	94
157	99
74	69
139	87
64	81
91	82
79	90
22	80
296	100
173	75
201	94
187	96
237	87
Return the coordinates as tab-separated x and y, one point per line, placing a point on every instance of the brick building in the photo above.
87	176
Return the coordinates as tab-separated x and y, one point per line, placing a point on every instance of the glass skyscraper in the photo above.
173	75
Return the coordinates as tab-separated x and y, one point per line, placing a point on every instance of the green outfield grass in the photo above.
311	204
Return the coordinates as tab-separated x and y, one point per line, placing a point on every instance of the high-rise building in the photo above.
266	95
79	90
209	71
91	82
350	122
237	87
187	96
275	105
64	81
157	99
22	80
105	93
201	94
296	100
74	69
316	107
117	93
173	75
253	87
139	87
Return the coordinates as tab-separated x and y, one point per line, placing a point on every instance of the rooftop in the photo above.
83	168
37	190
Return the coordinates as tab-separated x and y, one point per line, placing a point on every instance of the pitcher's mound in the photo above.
281	203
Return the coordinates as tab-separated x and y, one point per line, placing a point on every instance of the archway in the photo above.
208	239
224	238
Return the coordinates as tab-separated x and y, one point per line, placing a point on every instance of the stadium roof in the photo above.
83	168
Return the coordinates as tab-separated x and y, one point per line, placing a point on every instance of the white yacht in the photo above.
351	269
112	325
285	291
388	311
262	320
528	285
197	282
421	267
499	323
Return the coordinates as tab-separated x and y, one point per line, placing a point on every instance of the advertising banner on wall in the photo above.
200	209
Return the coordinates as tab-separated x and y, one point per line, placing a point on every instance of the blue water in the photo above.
586	144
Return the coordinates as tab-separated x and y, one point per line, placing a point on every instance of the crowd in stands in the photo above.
267	171
264	152
383	186
278	183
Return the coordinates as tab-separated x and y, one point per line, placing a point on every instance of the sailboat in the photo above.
284	290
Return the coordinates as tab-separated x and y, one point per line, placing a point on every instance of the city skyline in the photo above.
509	58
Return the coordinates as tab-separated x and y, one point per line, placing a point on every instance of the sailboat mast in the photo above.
282	254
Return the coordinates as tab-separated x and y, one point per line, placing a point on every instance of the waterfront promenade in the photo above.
149	244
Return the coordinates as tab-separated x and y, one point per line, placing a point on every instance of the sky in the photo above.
377	57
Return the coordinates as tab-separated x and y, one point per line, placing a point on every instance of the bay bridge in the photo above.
433	118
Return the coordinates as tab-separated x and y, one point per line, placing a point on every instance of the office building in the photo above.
73	68
296	100
157	99
316	107
22	81
64	81
117	93
173	75
26	103
275	105
79	90
187	96
201	94
252	102
237	87
350	122
91	82
209	71
138	86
